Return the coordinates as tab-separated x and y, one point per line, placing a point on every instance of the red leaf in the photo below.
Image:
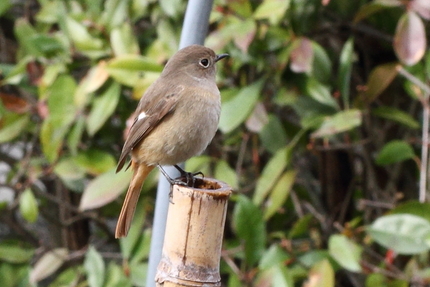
422	7
14	104
42	109
35	72
410	39
390	256
302	56
245	35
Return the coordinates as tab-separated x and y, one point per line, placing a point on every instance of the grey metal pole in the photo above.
194	31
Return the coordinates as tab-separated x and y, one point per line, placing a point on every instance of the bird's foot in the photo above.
190	178
185	179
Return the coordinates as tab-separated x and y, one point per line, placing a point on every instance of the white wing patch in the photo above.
142	115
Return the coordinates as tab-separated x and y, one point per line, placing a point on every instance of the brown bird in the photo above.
176	119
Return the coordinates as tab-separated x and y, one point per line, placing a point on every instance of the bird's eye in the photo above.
204	63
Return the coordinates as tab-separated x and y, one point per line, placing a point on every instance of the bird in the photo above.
176	119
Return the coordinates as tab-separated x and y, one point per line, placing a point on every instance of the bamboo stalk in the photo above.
194	231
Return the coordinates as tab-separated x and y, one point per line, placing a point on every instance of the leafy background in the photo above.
323	136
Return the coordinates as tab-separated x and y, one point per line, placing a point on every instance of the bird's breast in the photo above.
184	133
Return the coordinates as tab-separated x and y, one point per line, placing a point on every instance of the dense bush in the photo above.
323	136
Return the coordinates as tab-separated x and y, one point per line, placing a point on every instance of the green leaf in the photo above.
273	136
4	6
103	107
368	9
61	114
270	174
225	173
249	226
81	37
25	34
282	277
14	74
142	248
127	69
403	233
346	252
116	277
345	69
138	273
28	206
15	254
279	194
272	256
320	93
300	227
115	13
273	10
381	280
123	41
95	161
322	65
94	267
241	8
395	151
68	277
14	275
235	111
134	63
70	173
75	135
321	274
11	126
61	100
278	275
311	112
199	164
340	122
309	258
47	45
414	208
172	8
104	189
48	264
51	137
49	12
396	115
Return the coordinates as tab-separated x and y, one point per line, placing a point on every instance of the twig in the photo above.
423	86
241	155
424	133
363	203
231	264
63	204
392	274
424	154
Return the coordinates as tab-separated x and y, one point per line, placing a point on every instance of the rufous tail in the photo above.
140	172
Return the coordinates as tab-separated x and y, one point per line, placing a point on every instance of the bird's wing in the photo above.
153	107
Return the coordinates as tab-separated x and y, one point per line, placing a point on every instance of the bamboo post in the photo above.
194	231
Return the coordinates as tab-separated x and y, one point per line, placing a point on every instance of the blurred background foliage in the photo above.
323	136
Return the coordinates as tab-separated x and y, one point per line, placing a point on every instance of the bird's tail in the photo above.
140	172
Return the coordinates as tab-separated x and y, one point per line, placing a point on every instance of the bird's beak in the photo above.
221	56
